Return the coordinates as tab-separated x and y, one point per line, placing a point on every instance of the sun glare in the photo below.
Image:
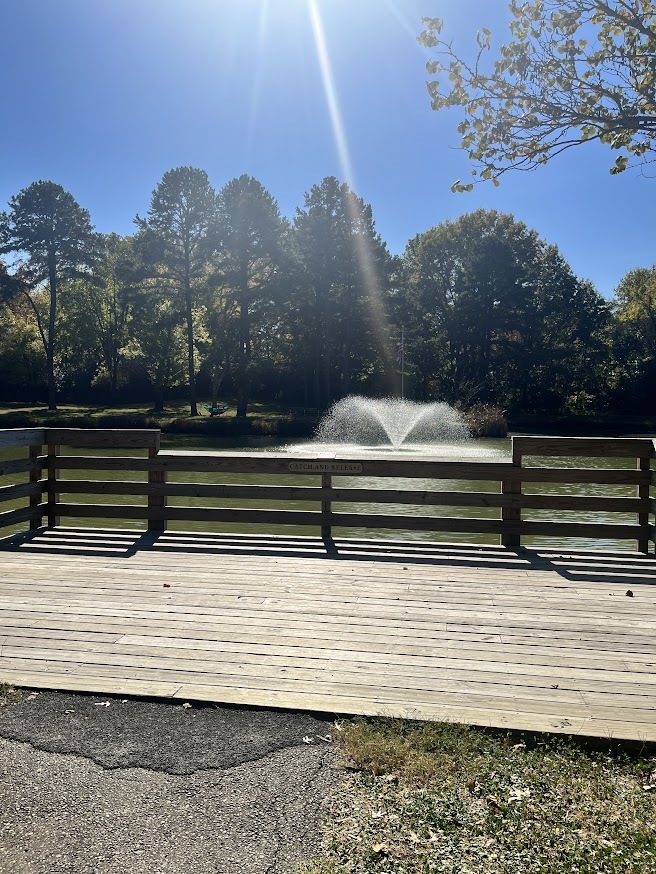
362	253
339	131
253	109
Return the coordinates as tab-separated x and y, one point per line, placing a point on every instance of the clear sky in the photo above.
104	96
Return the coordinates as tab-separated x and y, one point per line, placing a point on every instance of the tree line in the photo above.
216	294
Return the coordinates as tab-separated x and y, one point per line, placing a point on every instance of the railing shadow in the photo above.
574	566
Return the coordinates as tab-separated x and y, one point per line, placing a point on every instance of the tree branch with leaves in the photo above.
574	71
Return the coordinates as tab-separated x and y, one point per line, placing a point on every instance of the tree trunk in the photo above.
113	377
193	408
327	356
159	400
243	373
189	316
52	279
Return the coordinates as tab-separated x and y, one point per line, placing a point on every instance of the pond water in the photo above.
481	448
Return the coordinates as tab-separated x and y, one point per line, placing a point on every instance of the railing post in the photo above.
644	464
326	530
513	512
156	502
53	475
35	477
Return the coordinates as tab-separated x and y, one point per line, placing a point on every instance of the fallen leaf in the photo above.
186	705
379	849
629	593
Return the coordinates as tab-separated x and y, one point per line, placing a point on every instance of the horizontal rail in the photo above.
436	470
23	514
369	496
268	463
355	520
92	438
586	447
21	490
22	465
10	437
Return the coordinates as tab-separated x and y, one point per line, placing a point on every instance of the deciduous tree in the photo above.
500	316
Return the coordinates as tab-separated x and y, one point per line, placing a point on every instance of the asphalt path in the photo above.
105	784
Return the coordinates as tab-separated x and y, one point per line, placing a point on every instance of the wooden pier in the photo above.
503	636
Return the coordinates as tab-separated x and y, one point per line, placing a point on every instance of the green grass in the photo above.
173	410
426	797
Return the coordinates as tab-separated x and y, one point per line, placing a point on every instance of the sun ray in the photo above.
254	106
339	130
363	254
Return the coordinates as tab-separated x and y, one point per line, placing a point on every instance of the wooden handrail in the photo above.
326	488
585	447
99	438
14	437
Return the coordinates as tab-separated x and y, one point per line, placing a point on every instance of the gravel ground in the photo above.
98	784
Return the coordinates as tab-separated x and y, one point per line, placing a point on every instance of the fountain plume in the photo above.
372	421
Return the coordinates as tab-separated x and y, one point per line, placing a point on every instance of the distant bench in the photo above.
306	412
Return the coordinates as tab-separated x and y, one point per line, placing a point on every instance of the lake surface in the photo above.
480	448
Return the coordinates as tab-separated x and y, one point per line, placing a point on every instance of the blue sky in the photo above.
104	96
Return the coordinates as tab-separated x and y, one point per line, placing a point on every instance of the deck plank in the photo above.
543	640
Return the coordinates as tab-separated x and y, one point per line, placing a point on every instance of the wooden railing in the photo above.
47	476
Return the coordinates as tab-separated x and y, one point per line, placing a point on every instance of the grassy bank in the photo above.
263	420
447	798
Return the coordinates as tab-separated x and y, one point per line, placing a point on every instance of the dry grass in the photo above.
485	420
446	798
7	693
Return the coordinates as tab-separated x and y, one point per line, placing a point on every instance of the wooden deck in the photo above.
538	640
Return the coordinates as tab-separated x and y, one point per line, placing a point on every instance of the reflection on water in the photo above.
470	450
452	451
